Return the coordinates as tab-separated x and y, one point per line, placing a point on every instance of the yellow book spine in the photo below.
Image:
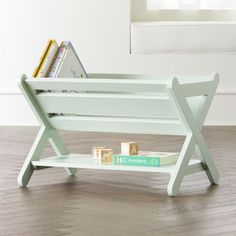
42	58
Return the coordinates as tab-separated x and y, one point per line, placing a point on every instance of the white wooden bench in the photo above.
125	104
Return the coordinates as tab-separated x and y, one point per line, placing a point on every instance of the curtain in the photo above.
191	4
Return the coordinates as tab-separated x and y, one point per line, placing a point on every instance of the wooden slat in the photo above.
85	161
118	125
107	105
183	79
118	85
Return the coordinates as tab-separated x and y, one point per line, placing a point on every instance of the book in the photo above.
46	59
57	61
67	63
146	159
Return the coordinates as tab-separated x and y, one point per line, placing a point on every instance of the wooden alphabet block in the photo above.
106	156
96	152
103	154
130	148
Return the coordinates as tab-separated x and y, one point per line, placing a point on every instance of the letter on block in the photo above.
130	148
106	156
96	151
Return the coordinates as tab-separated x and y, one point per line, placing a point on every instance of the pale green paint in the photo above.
125	104
119	105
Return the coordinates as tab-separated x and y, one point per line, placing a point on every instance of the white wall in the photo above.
99	31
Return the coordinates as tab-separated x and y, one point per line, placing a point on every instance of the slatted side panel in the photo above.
115	105
183	79
130	76
192	82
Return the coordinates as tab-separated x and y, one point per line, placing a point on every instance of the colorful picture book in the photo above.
67	63
146	159
59	62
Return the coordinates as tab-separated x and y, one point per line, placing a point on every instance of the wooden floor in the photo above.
115	203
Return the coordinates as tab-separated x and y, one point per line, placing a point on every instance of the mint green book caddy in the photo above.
140	104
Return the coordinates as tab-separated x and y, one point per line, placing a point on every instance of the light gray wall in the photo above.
99	31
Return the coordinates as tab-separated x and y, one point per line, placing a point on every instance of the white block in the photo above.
130	148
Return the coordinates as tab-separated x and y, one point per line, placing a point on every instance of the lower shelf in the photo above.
86	161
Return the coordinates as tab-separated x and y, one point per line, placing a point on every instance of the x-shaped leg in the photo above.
181	166
193	140
36	151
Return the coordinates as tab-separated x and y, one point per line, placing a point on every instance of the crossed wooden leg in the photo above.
36	151
194	139
60	149
182	165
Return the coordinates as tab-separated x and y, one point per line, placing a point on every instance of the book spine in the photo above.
43	72
135	160
42	58
57	63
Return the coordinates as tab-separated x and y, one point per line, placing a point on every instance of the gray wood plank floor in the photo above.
115	203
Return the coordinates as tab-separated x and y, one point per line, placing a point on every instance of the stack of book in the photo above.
146	159
59	62
130	155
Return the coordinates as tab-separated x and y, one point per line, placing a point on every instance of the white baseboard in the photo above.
16	112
